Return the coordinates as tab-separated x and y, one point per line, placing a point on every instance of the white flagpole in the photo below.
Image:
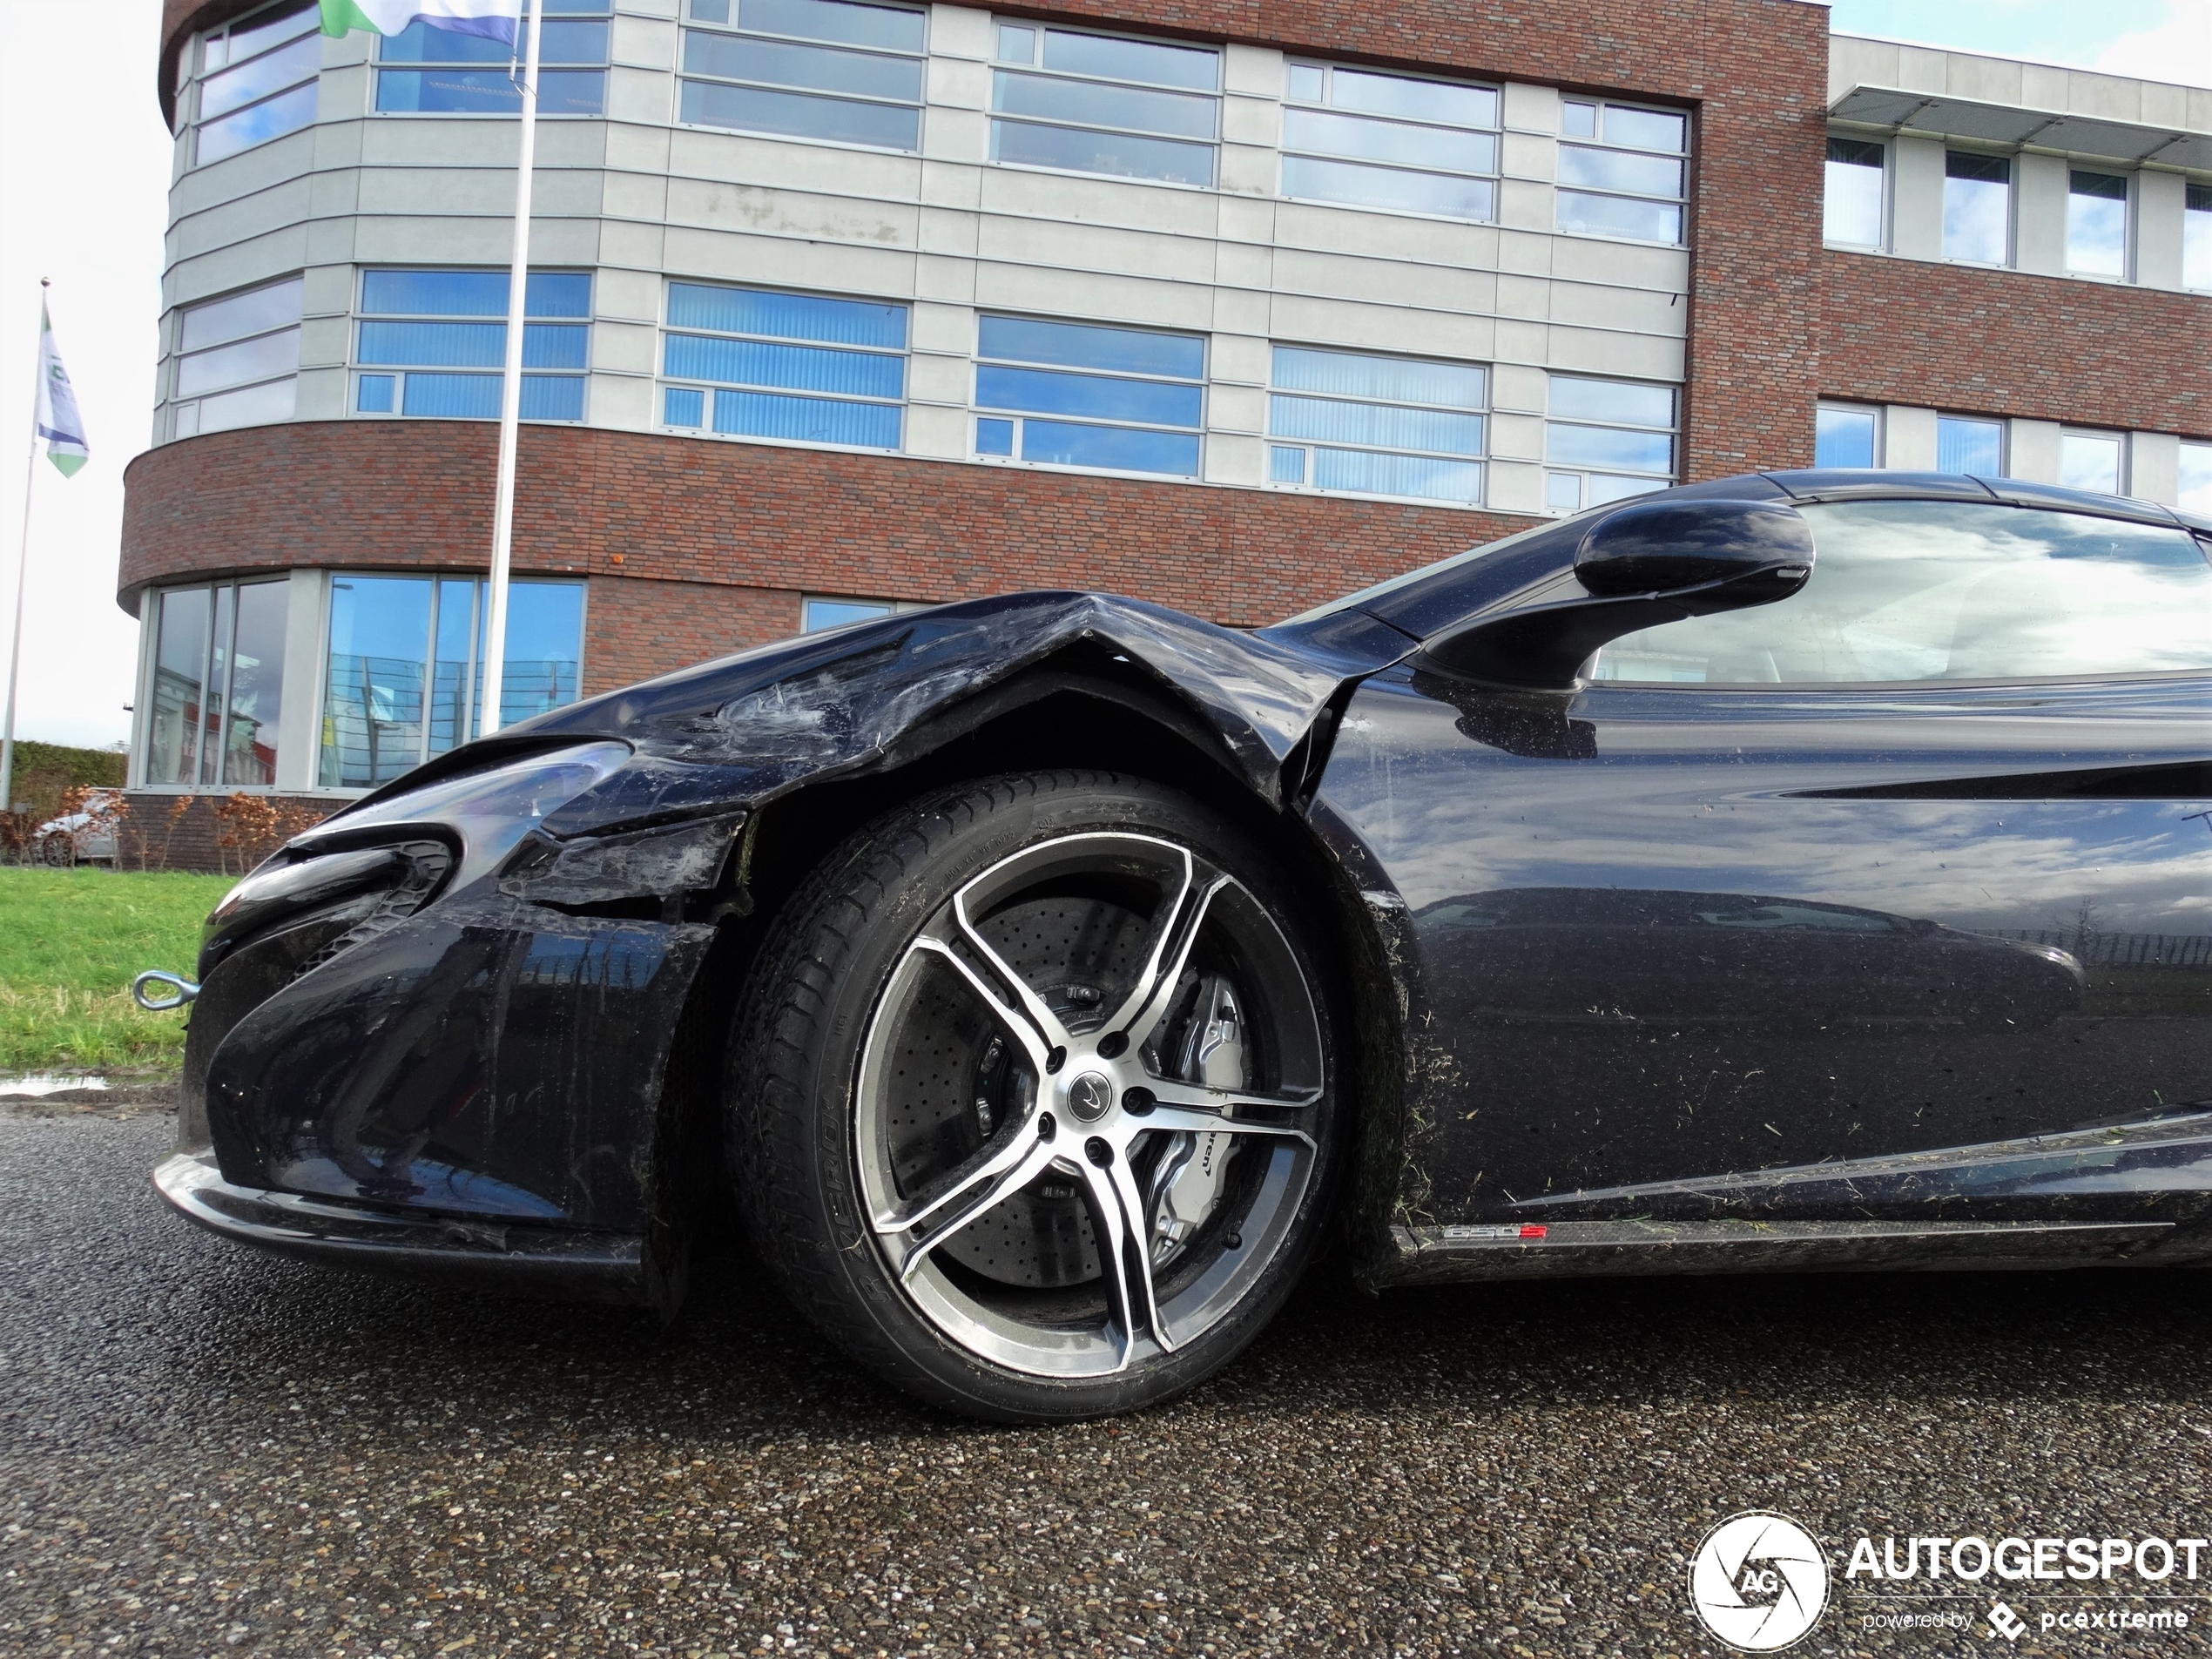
510	396
23	565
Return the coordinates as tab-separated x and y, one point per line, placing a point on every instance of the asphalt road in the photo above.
203	1450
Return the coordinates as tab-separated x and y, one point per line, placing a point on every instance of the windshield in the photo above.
1915	591
1368	595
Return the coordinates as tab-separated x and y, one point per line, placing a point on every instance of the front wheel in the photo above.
59	850
1033	1113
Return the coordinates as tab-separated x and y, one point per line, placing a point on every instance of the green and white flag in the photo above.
494	19
59	422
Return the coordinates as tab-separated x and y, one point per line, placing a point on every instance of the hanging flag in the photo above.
495	19
59	422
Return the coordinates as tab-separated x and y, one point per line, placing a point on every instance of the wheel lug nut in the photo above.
1111	1045
1098	1152
1138	1101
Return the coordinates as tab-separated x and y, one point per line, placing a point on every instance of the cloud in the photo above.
2179	48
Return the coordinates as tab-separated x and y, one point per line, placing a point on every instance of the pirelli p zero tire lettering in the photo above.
1032	1109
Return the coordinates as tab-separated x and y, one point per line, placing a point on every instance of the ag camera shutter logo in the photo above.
1758	1582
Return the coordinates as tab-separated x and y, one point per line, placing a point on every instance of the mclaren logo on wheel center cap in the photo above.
1090	1097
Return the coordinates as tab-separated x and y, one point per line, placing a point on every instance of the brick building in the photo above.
838	307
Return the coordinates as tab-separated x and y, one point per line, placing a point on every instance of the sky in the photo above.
82	200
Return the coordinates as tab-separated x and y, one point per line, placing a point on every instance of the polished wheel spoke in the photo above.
1155	993
1117	1218
985	1184
1034	1038
1198	1109
1046	1022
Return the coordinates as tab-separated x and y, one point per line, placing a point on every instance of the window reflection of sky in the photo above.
1914	590
1672	805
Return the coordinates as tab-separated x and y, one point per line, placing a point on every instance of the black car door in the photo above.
1891	898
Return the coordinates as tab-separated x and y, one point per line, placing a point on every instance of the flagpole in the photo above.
23	564
510	394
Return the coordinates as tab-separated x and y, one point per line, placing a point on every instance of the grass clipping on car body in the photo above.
71	943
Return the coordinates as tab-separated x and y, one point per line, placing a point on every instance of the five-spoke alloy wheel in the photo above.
1035	1113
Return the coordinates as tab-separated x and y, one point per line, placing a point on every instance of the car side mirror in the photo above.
1650	563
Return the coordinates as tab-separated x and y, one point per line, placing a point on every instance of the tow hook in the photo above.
181	991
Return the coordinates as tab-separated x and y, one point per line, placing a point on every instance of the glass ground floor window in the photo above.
2197	479
403	668
217	685
1847	435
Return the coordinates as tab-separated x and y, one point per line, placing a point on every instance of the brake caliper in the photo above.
1188	1179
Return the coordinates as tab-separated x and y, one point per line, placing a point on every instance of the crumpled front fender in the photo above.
746	730
486	1057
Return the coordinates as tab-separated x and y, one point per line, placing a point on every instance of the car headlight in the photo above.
487	811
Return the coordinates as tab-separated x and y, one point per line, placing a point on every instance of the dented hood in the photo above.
745	729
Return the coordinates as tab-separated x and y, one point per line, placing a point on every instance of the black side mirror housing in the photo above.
1650	563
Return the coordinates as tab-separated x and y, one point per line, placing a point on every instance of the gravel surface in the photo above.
204	1451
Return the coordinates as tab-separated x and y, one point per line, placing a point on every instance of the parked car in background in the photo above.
85	836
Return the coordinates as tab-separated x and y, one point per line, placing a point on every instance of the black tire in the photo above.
844	964
59	850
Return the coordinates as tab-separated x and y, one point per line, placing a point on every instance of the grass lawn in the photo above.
69	941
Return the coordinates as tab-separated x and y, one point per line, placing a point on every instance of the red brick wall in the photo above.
689	510
2005	342
156	835
635	630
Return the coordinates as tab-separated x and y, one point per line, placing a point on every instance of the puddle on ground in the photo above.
48	1082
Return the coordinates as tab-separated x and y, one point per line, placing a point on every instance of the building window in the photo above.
1847	435
1977	207
217	686
429	69
1105	104
1851	204
257	80
1625	178
2093	461
815	615
2197	479
1390	141
2096	223
1605	440
2196	236
1376	426
414	353
806	68
1966	445
402	670
770	365
1122	400
237	360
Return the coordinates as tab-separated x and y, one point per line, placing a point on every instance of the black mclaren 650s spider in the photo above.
1802	870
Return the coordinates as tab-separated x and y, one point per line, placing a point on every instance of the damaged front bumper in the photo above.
581	1266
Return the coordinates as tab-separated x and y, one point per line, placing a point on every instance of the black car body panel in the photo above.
1651	978
491	1058
1695	944
758	725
